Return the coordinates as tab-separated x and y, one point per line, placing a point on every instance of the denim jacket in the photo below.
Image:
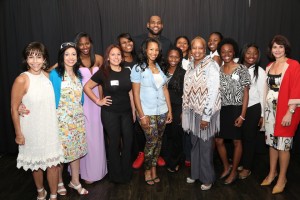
152	97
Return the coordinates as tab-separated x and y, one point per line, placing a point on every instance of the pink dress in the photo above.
93	166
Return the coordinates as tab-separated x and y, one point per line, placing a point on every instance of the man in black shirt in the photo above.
155	27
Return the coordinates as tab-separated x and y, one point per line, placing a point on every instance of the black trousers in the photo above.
187	146
174	133
119	129
139	139
250	129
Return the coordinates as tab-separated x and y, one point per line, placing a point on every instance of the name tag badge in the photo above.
114	82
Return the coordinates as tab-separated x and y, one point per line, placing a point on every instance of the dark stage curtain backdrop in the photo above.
55	21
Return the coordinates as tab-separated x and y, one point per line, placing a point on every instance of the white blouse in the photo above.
158	79
256	92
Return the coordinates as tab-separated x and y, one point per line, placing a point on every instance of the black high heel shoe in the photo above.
227	173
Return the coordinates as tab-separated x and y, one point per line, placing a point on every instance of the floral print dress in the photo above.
71	119
280	143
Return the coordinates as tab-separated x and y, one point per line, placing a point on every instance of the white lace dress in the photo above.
42	146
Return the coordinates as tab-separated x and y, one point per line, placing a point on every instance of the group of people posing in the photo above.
173	103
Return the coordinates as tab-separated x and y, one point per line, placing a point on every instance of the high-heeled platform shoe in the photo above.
40	191
61	190
53	196
242	177
277	189
267	182
79	188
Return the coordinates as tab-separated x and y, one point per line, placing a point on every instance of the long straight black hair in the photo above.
61	64
92	52
257	63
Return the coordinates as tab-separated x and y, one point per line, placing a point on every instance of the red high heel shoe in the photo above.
161	162
139	161
187	163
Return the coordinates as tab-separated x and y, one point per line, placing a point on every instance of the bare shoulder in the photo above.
22	79
98	60
21	83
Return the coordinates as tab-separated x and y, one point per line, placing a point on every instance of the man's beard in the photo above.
153	33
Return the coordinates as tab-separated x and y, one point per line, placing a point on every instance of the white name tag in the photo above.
114	82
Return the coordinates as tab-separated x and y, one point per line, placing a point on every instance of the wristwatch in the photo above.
292	111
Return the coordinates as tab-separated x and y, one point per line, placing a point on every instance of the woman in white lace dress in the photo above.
37	134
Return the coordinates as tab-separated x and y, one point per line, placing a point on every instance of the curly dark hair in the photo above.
232	42
178	71
35	48
142	57
257	63
280	40
61	64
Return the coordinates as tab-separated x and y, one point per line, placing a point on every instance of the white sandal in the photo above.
53	196
205	187
190	180
41	190
62	191
79	188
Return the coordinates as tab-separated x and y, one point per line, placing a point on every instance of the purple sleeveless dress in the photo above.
93	166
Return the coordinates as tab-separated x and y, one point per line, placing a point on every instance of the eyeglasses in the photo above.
67	44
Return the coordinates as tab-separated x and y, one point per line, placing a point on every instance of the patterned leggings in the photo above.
154	139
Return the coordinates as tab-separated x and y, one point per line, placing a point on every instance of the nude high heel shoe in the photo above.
278	189
267	181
